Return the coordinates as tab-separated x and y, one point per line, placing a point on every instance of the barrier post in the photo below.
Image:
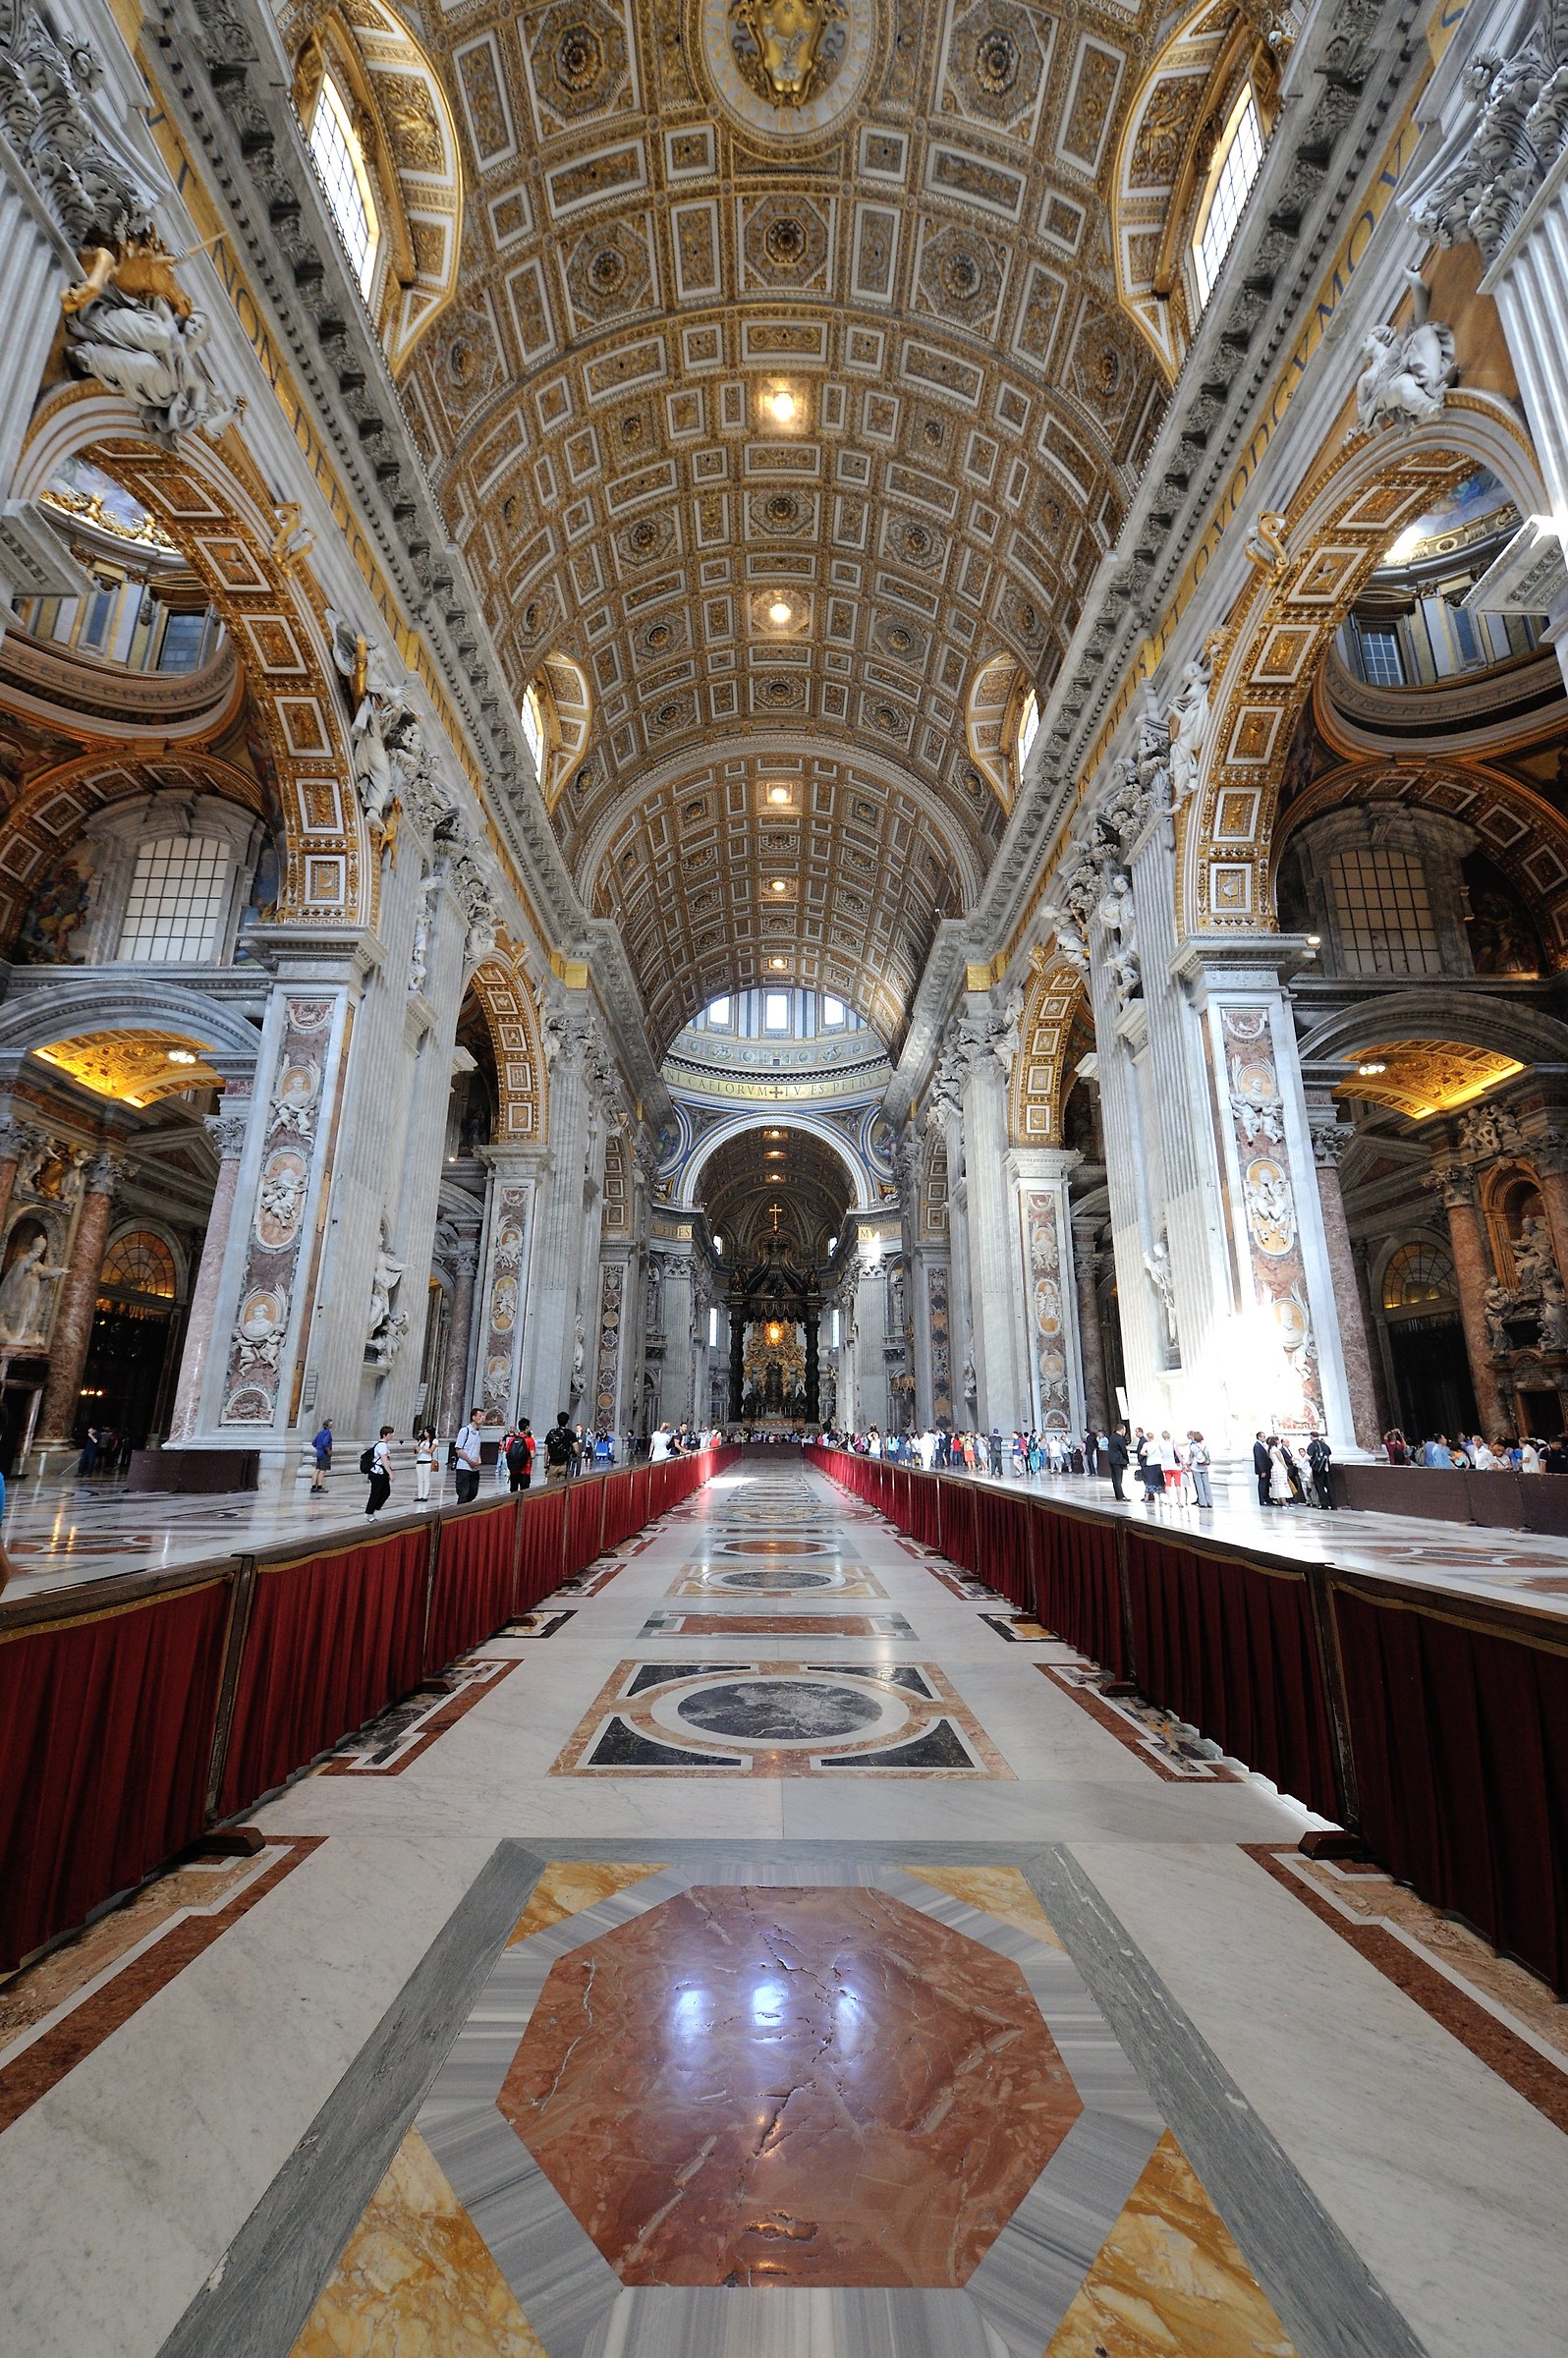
242	1596
433	1556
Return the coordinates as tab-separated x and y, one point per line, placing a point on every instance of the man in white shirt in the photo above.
469	1448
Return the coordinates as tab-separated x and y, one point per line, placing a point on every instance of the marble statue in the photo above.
153	356
1409	370
419	955
1534	1263
1156	1260
1189	721
385	1328
1499	1302
24	1292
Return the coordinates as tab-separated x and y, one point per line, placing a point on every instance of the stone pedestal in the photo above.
75	1306
228	1131
1330	1138
1473	1273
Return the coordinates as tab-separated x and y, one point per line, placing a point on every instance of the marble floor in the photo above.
814	1967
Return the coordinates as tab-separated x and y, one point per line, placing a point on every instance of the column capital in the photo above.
1036	1166
1330	1137
102	1172
227	1130
1455	1186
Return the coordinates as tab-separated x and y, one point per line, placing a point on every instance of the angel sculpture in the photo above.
1189	721
149	354
1407	372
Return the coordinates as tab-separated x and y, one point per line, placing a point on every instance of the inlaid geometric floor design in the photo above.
827	1580
778	1718
741	2119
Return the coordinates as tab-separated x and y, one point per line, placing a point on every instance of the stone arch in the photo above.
118	1002
49	817
1517	828
1474	1018
734	1125
1273	644
522	1113
1040	1078
214	506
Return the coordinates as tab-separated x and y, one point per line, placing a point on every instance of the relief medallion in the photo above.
788	70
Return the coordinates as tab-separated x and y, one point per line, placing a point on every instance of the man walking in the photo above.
560	1447
469	1453
322	1446
1319	1457
520	1457
377	1463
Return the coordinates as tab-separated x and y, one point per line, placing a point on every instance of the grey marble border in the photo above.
275	2267
256	2303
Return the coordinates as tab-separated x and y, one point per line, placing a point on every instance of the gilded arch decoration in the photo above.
38	830
1268	655
522	1115
215	509
1039	1077
1515	826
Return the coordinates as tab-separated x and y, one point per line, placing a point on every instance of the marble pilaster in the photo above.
1472	1272
1090	1341
1000	1391
228	1131
455	1381
72	1331
1047	1287
560	1229
677	1369
510	1252
1330	1137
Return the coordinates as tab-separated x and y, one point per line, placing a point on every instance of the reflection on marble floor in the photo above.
780	1718
736	1624
718	2117
828	1579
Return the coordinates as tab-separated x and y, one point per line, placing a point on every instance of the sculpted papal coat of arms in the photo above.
788	51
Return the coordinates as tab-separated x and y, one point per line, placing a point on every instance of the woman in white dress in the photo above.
1280	1493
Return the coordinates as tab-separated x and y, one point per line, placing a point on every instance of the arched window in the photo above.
532	716
176	902
1417	1276
1237	160
1027	728
340	161
140	1262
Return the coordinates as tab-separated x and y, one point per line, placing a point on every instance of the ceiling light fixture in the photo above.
780	611
1366	1071
778	794
180	1057
780	966
779	884
782	406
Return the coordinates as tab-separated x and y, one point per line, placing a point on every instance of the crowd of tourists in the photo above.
512	1451
1467	1452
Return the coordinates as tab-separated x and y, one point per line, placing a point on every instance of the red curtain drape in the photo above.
105	1736
1078	1589
472	1598
333	1639
540	1560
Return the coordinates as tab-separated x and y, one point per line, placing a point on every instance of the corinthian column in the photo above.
556	1292
1473	1270
1330	1137
1001	1393
227	1131
1090	1341
78	1294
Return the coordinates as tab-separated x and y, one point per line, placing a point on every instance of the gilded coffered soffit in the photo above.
785	387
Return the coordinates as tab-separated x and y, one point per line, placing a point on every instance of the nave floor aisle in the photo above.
779	1952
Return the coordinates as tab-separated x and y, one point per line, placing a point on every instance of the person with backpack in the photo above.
468	1452
376	1463
322	1446
520	1457
560	1449
1319	1457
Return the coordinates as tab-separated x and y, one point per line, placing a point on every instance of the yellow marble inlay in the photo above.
416	2280
1168	2281
1000	1890
569	1886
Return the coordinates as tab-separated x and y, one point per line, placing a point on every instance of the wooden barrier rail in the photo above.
137	1711
1433	1725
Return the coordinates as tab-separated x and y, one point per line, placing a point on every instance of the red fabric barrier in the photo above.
619	1508
1003	1545
105	1736
960	1538
643	1496
1460	1736
540	1562
585	1523
1077	1587
1229	1646
925	1492
472	1598
332	1640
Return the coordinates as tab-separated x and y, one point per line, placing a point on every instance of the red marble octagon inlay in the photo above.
789	2087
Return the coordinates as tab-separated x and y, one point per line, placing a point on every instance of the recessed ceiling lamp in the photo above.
779	884
180	1057
780	611
781	406
778	794
780	966
1368	1070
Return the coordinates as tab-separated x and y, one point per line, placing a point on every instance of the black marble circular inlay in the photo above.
764	1578
756	1709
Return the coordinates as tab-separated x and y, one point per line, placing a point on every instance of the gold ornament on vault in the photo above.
788	51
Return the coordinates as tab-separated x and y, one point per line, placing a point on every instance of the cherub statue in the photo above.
147	352
1189	719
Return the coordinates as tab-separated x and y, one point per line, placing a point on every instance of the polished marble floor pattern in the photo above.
1069	2056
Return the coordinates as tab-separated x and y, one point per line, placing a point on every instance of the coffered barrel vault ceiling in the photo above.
915	250
774	1181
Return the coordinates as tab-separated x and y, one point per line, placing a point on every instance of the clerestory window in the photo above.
340	161
1238	159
